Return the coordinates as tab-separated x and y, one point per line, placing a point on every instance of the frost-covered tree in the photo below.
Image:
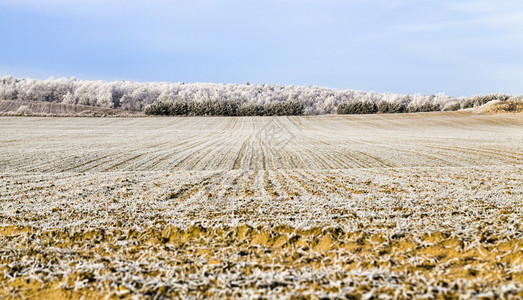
249	97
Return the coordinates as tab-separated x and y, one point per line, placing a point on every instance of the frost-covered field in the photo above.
392	206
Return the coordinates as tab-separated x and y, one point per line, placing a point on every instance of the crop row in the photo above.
398	232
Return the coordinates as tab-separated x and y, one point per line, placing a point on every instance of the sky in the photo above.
459	47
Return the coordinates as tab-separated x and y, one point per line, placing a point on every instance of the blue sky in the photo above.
405	46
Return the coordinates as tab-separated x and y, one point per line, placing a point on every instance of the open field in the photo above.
390	206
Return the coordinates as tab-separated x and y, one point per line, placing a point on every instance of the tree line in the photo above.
226	99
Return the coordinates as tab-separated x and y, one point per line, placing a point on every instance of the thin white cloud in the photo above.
484	6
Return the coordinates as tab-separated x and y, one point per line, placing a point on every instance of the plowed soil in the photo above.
382	206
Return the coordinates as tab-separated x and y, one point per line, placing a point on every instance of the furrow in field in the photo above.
186	158
188	190
176	153
241	155
348	159
288	157
230	187
159	159
113	161
248	158
321	159
307	187
246	184
337	183
296	188
116	165
288	188
374	161
479	154
50	162
325	182
225	154
150	158
407	154
98	163
206	154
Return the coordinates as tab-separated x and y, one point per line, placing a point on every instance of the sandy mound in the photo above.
513	105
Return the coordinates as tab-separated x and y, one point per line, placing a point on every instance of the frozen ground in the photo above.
390	206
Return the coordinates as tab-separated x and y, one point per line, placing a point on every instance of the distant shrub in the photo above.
481	100
178	108
159	108
367	107
512	105
390	107
288	108
452	106
296	108
250	110
224	108
425	107
357	107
